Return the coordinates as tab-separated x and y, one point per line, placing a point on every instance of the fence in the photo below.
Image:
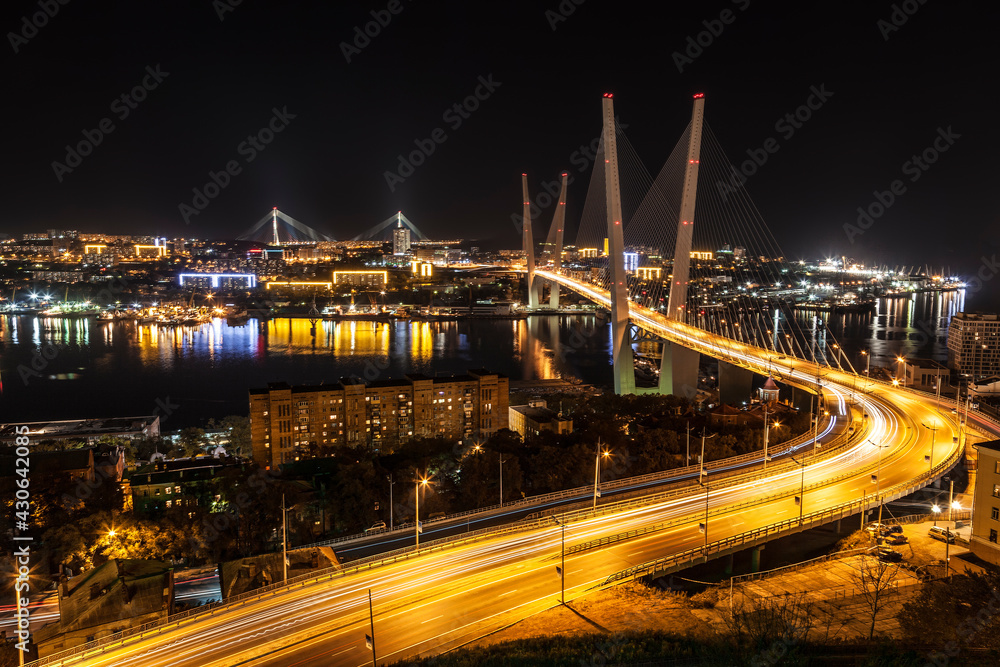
764	534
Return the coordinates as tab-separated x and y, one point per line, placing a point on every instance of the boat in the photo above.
237	319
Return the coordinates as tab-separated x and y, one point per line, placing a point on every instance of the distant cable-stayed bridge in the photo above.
279	228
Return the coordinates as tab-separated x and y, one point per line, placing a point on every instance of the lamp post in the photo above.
936	509
597	469
562	569
391	483
704	483
416	493
702	459
902	361
284	539
765	437
802	487
930	458
878	479
501	478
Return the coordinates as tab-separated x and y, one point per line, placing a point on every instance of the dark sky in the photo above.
351	120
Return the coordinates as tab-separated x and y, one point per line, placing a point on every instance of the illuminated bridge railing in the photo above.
586	491
750	538
174	621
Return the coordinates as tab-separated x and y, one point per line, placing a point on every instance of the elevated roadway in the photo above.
446	596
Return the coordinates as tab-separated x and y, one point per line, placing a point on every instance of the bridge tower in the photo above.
679	365
624	369
558	221
529	247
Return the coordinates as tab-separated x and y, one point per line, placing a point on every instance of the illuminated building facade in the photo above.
295	423
974	344
361	278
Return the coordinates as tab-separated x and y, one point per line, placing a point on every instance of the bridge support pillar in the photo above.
624	368
735	383
755	558
729	566
678	370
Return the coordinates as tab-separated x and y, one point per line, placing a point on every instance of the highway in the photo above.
434	601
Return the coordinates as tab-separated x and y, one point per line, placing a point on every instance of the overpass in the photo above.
458	588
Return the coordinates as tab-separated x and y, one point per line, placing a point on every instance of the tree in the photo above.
963	611
767	624
238	428
191	441
875	579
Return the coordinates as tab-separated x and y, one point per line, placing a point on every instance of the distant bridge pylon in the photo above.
278	228
385	228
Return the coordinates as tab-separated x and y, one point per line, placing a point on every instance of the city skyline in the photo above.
340	110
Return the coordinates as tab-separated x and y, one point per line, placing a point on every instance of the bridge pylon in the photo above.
679	365
558	222
528	244
624	368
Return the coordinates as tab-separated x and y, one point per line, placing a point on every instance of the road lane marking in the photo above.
507	593
432	619
635	552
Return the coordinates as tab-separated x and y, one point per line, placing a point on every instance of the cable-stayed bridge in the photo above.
279	228
453	590
665	255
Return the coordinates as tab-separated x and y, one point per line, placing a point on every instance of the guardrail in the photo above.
583	491
757	536
755	576
722	480
718	511
352	567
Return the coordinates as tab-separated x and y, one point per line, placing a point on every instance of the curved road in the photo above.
435	601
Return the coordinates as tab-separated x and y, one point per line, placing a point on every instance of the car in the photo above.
888	555
895	538
943	534
378	525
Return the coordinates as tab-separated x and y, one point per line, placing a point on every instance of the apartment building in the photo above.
974	344
985	541
295	423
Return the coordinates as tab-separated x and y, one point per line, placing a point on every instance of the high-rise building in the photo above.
974	344
295	423
400	240
985	542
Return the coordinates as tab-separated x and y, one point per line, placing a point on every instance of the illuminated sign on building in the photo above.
705	256
650	272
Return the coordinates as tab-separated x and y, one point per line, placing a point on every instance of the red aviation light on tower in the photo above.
275	208
699	96
608	95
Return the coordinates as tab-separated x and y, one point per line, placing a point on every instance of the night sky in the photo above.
228	71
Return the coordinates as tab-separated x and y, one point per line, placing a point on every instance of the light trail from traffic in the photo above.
438	600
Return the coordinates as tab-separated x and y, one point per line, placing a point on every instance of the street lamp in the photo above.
416	493
902	360
562	570
878	479
391	484
802	487
937	510
597	470
868	362
930	458
704	526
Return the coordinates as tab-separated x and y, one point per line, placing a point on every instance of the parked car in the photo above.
895	538
943	534
377	526
888	555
